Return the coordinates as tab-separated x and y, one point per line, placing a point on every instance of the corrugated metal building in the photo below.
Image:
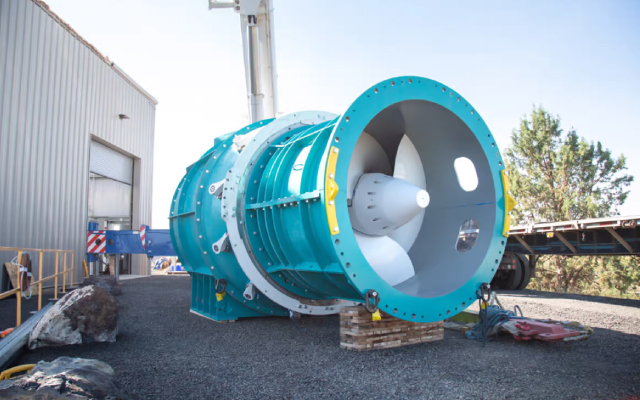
76	138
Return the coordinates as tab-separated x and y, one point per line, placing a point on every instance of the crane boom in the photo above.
258	45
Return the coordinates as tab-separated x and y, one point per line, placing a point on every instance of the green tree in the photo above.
617	276
558	176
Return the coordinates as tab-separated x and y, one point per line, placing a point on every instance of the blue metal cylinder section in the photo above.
261	221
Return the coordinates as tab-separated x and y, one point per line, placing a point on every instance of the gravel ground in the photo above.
598	312
164	352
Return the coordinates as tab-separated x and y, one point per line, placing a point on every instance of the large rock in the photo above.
107	282
86	315
64	378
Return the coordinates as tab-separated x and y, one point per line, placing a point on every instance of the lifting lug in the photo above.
222	245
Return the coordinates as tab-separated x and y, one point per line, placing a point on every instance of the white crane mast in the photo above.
258	45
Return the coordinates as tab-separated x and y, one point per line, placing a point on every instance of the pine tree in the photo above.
557	176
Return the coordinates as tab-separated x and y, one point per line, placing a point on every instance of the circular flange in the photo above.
233	180
360	274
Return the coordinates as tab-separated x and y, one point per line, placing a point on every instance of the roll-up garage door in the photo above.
110	163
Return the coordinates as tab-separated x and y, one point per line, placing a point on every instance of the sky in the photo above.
580	60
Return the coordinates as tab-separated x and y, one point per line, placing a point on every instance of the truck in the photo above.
618	235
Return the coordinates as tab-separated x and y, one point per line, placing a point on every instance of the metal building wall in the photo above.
56	94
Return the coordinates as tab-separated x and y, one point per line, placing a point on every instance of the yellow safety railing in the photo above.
18	292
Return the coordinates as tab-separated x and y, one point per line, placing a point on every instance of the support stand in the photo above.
360	333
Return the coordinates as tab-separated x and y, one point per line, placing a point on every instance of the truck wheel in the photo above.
499	281
513	278
525	269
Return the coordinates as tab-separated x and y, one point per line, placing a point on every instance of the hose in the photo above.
6	374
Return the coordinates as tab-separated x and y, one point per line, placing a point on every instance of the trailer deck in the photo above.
618	235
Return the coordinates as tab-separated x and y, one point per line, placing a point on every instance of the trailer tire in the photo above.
526	271
512	281
499	281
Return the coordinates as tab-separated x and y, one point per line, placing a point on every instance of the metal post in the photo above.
55	285
117	271
71	268
40	285
64	273
19	295
18	308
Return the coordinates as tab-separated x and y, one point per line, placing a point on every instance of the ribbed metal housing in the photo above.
263	216
57	93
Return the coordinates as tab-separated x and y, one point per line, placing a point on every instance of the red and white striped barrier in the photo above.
96	241
143	233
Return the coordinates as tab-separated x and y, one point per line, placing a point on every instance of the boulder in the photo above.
86	315
107	282
64	378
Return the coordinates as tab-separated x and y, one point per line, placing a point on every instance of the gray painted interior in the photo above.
440	137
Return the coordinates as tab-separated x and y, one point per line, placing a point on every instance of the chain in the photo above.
484	295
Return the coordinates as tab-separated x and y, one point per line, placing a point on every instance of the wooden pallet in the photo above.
12	271
360	333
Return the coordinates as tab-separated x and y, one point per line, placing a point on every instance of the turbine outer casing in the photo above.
311	262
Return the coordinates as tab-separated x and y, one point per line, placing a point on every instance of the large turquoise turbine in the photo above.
401	202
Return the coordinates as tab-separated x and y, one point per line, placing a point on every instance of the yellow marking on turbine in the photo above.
509	203
331	191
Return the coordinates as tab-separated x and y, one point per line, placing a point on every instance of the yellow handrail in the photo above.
9	293
51	276
18	292
34	250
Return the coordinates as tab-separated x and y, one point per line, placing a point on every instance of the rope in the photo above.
22	269
493	315
490	322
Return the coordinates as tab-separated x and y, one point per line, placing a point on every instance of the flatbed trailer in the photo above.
619	235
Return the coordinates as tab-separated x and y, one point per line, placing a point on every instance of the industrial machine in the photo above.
151	242
400	202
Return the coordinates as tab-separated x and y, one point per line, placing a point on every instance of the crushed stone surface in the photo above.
165	352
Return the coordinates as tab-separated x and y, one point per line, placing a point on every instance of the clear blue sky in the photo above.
579	59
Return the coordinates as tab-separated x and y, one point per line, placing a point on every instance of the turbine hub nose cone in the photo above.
382	204
422	199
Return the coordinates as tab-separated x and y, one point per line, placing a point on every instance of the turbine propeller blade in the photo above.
408	167
387	258
368	156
